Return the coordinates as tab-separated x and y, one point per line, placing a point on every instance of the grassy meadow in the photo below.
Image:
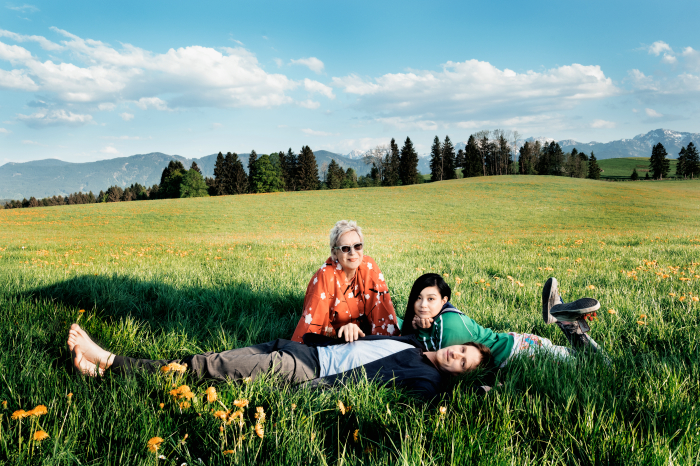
168	278
621	168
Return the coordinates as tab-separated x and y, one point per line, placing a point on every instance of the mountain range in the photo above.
49	177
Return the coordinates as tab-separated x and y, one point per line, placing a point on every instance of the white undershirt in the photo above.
340	358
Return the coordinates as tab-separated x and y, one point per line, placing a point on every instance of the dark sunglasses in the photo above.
346	249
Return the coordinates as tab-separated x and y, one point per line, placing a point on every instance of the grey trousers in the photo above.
295	362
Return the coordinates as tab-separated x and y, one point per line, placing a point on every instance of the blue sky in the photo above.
83	81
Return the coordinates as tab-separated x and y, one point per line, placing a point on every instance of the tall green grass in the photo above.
169	278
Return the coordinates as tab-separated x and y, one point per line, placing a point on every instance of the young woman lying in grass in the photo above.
438	324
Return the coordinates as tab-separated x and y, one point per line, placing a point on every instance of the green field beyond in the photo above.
621	169
172	277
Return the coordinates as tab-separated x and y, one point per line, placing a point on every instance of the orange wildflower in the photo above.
220	414
40	435
154	443
4	405
38	411
341	407
228	452
356	435
443	410
612	311
20	414
259	430
240	403
211	394
260	415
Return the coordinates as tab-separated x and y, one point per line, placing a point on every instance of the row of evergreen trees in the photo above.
688	165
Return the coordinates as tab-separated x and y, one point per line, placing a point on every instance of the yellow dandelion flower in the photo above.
40	435
260	414
228	452
612	311
458	293
82	311
443	410
70	396
681	299
341	407
356	435
591	287
20	414
184	405
643	316
38	411
211	394
259	430
162	405
240	403
4	405
482	280
220	414
641	322
672	294
538	284
696	299
154	443
294	406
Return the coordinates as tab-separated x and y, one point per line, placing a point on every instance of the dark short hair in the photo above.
487	359
421	283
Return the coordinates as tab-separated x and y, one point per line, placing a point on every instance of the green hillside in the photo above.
621	169
168	278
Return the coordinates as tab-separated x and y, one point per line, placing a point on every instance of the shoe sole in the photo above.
550	291
569	312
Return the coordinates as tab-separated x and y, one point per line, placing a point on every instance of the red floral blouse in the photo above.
330	303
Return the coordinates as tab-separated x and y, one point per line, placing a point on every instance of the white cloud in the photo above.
54	118
476	87
216	125
362	144
692	58
317	87
669	59
473	124
310	104
278	62
603	124
109	150
4	131
411	123
107	107
190	76
152	102
317	133
24	8
313	63
126	116
42	41
126	138
659	47
31	143
652	113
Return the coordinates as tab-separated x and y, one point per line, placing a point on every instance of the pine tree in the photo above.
448	160
635	175
473	165
646	177
284	169
436	160
335	176
218	187
692	164
292	180
658	163
195	167
408	164
682	161
392	166
193	184
237	180
350	180
169	181
252	161
307	170
593	168
460	161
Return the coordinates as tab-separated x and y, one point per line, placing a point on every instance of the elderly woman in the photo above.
347	297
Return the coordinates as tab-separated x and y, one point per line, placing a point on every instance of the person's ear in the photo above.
444	300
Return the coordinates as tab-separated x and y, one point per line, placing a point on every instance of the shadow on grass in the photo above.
244	315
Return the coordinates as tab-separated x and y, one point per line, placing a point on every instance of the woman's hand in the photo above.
351	332
421	322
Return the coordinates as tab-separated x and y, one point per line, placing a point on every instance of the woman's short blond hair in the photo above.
341	227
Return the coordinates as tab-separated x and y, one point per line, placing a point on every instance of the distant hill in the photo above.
52	177
621	169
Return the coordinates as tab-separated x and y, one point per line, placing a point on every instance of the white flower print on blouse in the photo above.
338	267
315	280
308	318
337	301
323	295
350	295
381	276
369	265
390	328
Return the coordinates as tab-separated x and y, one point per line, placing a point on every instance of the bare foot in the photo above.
88	358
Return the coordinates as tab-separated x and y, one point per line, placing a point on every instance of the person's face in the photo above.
429	302
349	261
458	359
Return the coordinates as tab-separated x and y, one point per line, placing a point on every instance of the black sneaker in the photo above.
569	312
550	298
576	333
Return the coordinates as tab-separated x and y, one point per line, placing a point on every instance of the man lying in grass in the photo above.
319	361
437	324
